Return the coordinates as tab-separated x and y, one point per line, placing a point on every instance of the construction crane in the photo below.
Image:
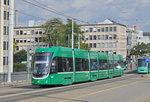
135	26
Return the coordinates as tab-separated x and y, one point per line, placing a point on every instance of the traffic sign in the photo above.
147	60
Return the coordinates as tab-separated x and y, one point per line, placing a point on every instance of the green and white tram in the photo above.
62	66
142	66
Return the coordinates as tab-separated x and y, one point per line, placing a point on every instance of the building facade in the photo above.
4	31
142	37
107	36
147	36
28	37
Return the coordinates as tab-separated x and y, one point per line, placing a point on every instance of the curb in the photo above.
15	83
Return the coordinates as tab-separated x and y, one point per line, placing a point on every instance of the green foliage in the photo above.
61	34
140	49
19	67
20	56
14	46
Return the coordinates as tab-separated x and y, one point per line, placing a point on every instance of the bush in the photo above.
19	67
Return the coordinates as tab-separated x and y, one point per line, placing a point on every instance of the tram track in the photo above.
36	91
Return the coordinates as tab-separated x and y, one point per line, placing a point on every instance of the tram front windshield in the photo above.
41	64
141	63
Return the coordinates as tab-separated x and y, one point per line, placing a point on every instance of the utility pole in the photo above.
78	41
28	62
73	51
10	39
72	34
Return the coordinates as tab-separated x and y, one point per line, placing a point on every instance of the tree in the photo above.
140	49
53	31
20	56
61	34
14	46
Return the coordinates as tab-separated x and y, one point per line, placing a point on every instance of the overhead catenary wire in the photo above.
30	15
53	11
26	13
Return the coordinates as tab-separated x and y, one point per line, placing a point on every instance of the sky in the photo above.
127	12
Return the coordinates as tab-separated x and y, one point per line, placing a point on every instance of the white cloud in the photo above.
90	10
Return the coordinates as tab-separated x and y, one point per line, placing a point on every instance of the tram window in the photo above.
110	64
64	64
148	65
94	65
82	64
116	63
103	64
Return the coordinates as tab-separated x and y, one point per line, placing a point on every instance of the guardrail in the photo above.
15	76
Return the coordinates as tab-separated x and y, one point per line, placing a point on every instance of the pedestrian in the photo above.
130	66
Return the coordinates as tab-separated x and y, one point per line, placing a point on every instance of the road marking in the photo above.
105	90
49	89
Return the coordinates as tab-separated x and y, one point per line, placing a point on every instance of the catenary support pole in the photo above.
72	34
10	39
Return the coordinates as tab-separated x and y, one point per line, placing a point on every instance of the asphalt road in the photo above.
131	87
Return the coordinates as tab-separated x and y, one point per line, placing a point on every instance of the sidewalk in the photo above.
15	83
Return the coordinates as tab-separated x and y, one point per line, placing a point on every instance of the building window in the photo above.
28	40
36	32
17	32
32	31
94	45
102	29
28	32
106	37
94	29
86	30
91	29
110	29
21	32
115	45
7	60
111	45
24	32
21	40
7	45
98	30
114	36
4	45
40	31
110	37
98	37
102	37
106	45
17	40
94	37
5	2
5	13
90	37
106	29
115	29
4	32
103	45
90	45
86	37
4	60
7	30
98	45
36	40
25	40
